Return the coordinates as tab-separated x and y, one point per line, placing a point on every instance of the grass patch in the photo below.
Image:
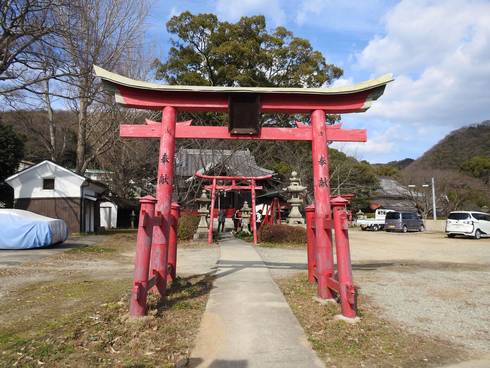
193	244
96	330
91	249
282	245
373	342
109	246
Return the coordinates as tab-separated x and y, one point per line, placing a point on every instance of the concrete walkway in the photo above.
247	322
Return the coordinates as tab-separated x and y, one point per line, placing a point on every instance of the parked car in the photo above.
377	223
403	221
21	229
468	223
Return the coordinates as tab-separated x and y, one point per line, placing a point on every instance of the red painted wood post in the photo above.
172	243
254	215
279	210
344	268
267	216
310	242
321	186
211	212
159	254
137	304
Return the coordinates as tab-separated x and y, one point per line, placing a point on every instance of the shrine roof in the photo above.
119	80
220	161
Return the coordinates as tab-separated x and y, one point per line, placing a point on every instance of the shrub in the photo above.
187	226
244	236
278	233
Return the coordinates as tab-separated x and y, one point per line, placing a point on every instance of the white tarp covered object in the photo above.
21	229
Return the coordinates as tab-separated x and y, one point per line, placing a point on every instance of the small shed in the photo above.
55	191
108	215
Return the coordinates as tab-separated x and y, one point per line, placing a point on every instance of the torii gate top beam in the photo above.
336	100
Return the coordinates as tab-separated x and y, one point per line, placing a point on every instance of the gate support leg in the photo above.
254	215
310	242
137	305
159	255
211	212
347	290
172	243
321	185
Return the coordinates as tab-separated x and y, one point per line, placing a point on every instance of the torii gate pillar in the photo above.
159	251
323	246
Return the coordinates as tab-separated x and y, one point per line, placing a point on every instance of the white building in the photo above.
52	190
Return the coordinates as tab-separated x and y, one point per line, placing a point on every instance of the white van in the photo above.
468	223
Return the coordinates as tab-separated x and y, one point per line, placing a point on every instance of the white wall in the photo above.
29	183
437	225
108	215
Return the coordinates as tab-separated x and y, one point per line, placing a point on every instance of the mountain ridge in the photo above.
457	147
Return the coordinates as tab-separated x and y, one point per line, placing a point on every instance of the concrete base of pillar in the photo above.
201	235
295	222
352	321
324	301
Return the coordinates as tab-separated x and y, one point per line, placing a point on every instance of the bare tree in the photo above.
97	32
27	31
454	190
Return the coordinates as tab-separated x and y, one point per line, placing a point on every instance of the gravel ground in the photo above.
451	304
428	283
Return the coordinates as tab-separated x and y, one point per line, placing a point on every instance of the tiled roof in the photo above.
240	162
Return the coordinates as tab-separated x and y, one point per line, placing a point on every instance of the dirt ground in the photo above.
68	306
424	282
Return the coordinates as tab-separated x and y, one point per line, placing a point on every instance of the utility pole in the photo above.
434	214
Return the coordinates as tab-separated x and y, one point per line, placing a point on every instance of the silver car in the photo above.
403	221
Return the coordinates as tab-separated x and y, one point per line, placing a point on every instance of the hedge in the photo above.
187	226
279	233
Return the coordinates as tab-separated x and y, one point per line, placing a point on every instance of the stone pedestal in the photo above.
202	228
295	189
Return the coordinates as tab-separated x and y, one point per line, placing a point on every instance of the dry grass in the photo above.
195	244
96	329
373	342
283	245
80	318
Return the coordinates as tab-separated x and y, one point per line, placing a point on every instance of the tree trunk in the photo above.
82	135
51	122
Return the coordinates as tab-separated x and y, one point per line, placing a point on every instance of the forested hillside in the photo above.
456	148
460	164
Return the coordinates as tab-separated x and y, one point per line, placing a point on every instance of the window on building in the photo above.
48	184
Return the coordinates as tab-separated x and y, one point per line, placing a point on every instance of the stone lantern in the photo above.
295	189
202	228
245	217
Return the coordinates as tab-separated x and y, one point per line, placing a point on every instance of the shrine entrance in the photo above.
244	106
251	185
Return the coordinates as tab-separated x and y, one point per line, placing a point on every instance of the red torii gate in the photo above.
244	105
233	186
